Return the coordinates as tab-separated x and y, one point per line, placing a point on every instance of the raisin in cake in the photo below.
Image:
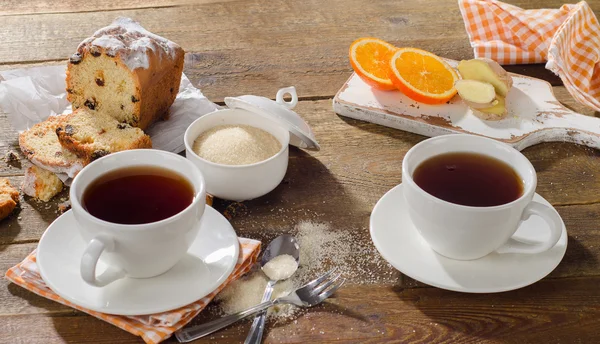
91	135
9	197
40	145
41	184
126	72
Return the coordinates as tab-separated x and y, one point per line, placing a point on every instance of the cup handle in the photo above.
89	260
292	92
553	221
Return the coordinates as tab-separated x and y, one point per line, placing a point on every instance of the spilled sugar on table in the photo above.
257	47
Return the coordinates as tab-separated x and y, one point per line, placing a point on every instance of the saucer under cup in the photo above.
210	259
399	242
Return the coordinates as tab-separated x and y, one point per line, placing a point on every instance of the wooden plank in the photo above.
561	93
62	328
9	137
81	328
222	74
350	187
557	311
333	186
536	314
9	142
15	300
16	7
236	72
581	259
567	174
230	54
267	217
212	27
537	70
261	46
29	220
346	210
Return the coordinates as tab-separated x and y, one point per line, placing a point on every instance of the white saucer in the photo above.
210	260
402	246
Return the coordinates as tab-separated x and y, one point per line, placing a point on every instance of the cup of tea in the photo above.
467	196
138	211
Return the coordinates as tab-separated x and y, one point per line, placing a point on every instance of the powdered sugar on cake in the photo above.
130	41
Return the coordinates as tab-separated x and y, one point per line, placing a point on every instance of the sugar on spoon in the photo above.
279	262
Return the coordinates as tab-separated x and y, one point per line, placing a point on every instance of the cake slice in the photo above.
9	197
41	184
125	72
40	145
92	135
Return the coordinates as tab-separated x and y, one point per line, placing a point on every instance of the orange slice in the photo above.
422	76
369	58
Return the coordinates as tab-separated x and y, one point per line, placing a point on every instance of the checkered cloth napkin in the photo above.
567	39
152	328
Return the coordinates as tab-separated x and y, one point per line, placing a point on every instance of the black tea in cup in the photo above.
469	179
137	195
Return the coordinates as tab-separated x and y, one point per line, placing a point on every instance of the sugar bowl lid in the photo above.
301	135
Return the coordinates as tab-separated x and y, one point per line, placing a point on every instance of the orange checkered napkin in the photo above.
152	328
567	39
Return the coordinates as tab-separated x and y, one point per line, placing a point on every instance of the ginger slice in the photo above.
486	70
493	113
476	94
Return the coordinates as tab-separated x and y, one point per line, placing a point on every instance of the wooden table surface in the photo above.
257	47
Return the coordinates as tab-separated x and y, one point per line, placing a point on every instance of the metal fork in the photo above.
310	294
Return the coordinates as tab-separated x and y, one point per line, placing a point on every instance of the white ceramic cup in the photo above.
143	250
465	232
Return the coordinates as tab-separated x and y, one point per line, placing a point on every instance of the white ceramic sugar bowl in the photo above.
245	182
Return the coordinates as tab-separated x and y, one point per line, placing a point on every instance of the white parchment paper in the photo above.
29	96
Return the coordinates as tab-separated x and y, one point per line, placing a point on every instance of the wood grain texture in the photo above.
349	187
333	185
61	328
567	174
553	311
16	7
31	217
261	46
29	7
15	300
256	47
225	26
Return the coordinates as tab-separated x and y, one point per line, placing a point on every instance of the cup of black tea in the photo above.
139	211
468	194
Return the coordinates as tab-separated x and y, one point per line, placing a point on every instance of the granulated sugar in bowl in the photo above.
243	151
236	145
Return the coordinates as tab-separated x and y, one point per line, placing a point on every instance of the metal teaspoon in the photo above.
283	244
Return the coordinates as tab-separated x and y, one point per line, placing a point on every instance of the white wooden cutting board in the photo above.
534	114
